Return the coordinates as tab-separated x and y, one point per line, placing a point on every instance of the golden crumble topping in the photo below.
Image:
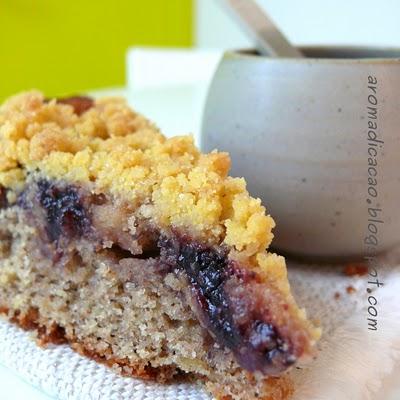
120	151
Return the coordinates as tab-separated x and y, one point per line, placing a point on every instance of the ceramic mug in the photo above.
318	139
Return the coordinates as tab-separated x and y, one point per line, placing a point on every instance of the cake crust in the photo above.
278	388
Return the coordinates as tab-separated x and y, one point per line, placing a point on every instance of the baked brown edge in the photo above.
56	335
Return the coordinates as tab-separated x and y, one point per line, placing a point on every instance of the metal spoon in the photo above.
256	23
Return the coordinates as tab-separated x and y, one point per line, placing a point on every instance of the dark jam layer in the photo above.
3	198
226	299
207	272
235	323
65	213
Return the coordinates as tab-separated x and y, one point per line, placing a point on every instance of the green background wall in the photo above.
63	47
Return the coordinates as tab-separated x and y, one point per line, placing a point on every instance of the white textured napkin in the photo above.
351	364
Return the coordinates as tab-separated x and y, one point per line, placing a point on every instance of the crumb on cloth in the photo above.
355	269
350	289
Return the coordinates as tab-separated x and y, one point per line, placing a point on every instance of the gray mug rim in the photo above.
326	54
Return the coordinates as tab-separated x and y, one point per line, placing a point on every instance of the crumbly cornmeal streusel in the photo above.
187	188
141	251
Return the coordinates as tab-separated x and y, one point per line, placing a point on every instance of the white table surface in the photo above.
177	110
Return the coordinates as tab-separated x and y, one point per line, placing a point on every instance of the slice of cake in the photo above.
140	251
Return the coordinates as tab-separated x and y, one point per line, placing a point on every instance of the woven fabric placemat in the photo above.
351	364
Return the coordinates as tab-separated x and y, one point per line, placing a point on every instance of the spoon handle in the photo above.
269	39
